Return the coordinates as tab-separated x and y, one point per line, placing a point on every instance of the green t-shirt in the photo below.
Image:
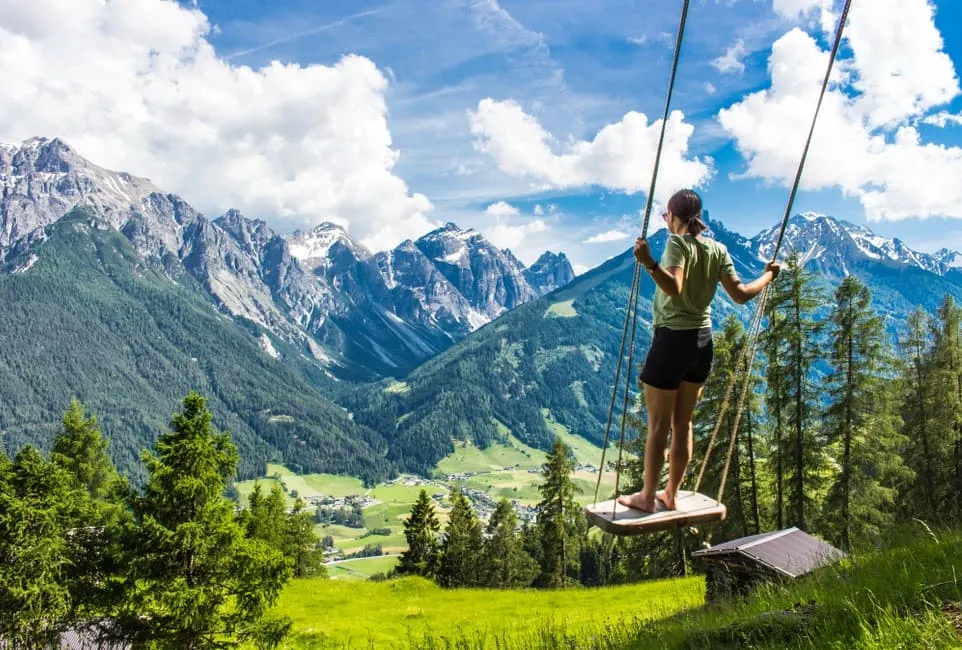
705	262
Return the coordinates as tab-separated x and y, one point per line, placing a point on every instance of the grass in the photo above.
413	611
563	309
469	458
333	485
394	543
361	568
397	387
892	599
586	453
905	597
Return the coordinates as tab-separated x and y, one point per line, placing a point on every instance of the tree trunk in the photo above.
751	470
799	495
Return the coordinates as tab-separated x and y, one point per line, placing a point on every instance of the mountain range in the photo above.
361	316
316	351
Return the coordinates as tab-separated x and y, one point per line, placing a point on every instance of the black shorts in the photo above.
678	355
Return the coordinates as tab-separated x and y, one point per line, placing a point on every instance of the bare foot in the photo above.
665	498
637	501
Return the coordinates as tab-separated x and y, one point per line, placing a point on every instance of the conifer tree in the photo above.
559	520
946	378
776	393
193	579
35	603
917	414
504	563
300	543
266	517
421	532
459	566
793	346
862	421
97	517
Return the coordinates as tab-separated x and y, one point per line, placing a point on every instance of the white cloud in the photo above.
607	236
502	209
135	85
538	210
864	143
731	60
663	38
902	70
710	88
514	236
804	9
579	269
619	157
512	230
943	118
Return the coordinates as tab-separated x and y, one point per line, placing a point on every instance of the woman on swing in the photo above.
680	356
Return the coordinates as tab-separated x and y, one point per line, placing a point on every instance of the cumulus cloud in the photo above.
607	236
710	88
943	118
865	142
135	85
502	209
620	156
579	269
731	60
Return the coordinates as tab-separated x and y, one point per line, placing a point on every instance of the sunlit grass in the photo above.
410	611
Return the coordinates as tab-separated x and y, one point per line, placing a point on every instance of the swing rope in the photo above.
631	313
751	342
748	352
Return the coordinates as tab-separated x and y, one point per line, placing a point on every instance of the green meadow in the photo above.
414	611
905	597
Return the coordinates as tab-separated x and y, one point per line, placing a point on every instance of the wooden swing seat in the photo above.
691	508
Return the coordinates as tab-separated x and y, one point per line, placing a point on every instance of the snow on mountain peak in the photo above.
312	247
837	244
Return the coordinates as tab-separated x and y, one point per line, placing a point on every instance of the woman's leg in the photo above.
661	406
682	440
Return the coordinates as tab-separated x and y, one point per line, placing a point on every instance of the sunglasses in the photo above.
664	215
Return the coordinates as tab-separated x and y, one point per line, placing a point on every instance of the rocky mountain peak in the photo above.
550	271
317	247
42	179
835	245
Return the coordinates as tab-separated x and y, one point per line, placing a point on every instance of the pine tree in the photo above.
35	603
193	579
504	563
459	566
559	520
97	519
862	421
266	517
946	378
421	532
793	347
300	543
776	394
917	414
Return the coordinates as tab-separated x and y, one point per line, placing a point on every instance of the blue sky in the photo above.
577	65
568	68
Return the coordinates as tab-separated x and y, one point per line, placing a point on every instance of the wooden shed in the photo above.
734	568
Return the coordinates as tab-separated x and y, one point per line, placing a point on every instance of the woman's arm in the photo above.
670	280
741	292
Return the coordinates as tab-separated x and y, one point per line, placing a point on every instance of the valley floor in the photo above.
508	469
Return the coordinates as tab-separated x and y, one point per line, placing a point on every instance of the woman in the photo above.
680	356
